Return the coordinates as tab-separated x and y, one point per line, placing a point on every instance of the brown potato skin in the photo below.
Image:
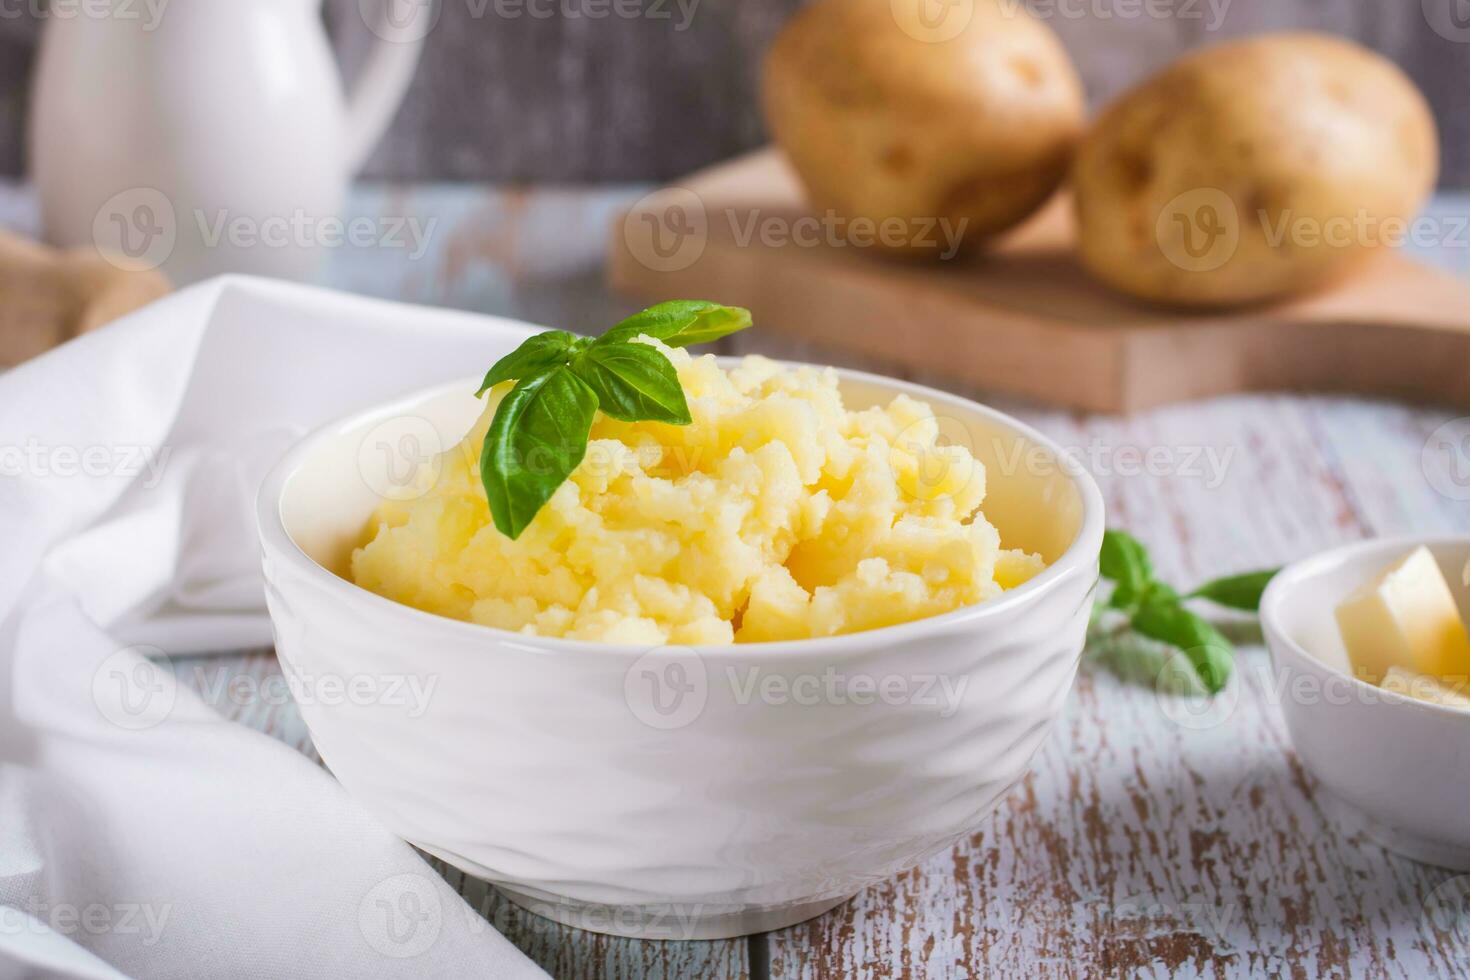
1290	131
880	124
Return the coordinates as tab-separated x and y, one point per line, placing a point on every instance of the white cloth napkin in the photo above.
192	846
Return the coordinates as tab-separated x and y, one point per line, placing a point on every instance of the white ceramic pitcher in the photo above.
208	136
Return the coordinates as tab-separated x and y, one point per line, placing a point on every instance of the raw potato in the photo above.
887	117
1252	171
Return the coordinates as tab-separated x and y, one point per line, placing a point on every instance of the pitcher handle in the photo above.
400	27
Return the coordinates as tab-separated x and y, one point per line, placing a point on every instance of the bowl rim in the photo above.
277	543
1299	572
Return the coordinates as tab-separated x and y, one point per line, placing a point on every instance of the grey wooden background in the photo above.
548	90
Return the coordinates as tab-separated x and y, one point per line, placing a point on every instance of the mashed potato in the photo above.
776	515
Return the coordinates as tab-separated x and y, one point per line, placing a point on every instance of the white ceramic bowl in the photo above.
1398	767
675	792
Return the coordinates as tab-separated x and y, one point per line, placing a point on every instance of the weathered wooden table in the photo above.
1148	839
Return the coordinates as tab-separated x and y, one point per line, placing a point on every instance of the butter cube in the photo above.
1413	685
1407	618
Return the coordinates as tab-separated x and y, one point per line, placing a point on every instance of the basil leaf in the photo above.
540	430
1163	618
1157	591
680	323
537	438
537	354
634	383
1125	560
1238	591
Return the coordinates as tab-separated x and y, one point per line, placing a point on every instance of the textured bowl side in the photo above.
555	772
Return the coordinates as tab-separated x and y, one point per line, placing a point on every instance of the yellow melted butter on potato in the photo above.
776	515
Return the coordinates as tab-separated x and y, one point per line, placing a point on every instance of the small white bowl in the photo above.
1399	766
655	792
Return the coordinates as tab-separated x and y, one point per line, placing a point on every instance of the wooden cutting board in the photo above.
48	296
1024	318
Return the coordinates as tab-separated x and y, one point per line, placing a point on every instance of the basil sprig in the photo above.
1241	592
1152	609
540	430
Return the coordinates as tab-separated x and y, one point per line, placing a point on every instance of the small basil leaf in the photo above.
537	438
1238	591
634	383
1125	560
537	354
1163	618
1157	591
680	323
